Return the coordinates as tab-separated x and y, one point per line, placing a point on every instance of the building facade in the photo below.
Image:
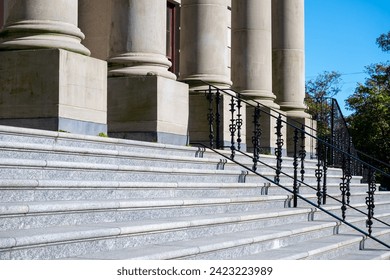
133	68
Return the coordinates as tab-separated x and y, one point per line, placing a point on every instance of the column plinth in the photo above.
47	79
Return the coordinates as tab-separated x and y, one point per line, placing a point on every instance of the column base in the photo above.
148	108
53	90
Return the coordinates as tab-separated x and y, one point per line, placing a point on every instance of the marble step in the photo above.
47	190
68	241
345	246
233	245
26	215
60	170
40	140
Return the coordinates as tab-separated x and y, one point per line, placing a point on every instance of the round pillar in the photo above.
252	50
138	39
37	24
203	42
288	55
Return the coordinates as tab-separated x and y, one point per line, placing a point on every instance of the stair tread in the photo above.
313	247
11	208
184	248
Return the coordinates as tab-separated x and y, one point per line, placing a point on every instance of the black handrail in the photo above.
367	234
323	149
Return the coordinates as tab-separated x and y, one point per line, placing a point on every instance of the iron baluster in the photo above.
343	189
256	136
302	153
239	122
279	148
318	174
348	173
232	127
295	164
325	175
370	199
210	116
218	119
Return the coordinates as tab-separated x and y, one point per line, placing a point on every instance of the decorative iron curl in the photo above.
279	148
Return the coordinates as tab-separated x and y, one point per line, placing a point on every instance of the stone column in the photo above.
289	55
252	63
204	56
47	79
138	39
203	42
252	50
289	60
145	102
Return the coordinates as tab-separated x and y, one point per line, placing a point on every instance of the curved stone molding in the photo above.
37	24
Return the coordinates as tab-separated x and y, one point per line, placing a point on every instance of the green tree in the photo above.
318	91
370	121
383	42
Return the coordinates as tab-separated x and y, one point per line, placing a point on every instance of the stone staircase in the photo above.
66	196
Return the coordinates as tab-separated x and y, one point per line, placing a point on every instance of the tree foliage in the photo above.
318	91
370	121
383	42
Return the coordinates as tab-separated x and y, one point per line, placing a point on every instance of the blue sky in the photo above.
340	36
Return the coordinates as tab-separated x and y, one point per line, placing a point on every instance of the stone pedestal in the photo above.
53	90
310	143
149	108
199	126
47	80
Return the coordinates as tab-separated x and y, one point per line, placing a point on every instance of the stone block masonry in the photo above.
53	89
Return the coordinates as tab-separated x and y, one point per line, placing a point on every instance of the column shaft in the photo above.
138	39
288	55
37	24
203	42
252	50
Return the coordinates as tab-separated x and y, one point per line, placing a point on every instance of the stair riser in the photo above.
48	219
81	247
274	190
115	160
48	194
354	199
113	175
310	180
101	143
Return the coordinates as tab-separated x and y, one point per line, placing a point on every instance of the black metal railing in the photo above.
327	155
